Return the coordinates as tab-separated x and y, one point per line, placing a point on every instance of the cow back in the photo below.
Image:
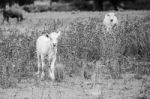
13	11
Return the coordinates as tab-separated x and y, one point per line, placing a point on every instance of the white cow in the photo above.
46	45
110	21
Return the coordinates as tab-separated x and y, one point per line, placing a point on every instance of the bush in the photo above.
82	5
36	8
24	2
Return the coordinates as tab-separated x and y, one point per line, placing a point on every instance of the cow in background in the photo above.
110	21
12	12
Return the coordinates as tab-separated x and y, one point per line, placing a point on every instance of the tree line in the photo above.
97	4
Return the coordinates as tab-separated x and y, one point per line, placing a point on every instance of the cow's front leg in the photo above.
49	68
18	19
43	65
7	18
39	65
53	68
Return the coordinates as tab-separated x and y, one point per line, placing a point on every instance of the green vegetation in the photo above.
83	38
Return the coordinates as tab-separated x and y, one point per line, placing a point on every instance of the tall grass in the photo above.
85	39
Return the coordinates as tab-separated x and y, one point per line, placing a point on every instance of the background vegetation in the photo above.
65	5
83	38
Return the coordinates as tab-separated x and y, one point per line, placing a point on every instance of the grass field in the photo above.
122	58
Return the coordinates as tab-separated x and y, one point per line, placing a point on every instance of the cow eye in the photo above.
47	35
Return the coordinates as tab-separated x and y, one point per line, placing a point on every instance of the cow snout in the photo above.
111	20
54	45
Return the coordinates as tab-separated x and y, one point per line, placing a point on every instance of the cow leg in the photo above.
18	19
7	19
3	21
49	67
39	65
43	65
53	68
21	18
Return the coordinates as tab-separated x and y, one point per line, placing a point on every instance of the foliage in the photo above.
36	8
85	39
20	2
82	5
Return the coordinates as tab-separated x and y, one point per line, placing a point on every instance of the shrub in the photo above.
36	8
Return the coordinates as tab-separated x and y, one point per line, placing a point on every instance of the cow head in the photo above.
54	37
110	19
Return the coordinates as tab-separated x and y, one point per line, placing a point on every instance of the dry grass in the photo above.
82	39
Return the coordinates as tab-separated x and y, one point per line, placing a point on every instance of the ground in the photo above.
127	87
74	88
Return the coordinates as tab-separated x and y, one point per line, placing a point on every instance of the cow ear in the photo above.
58	33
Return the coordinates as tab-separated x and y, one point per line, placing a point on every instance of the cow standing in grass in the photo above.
46	45
12	12
110	21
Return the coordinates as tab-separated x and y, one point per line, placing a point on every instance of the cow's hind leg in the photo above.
5	18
